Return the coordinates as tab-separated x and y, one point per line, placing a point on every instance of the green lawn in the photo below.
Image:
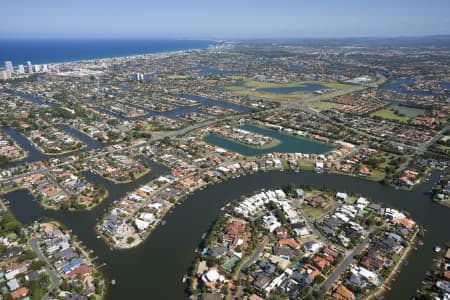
305	166
249	87
377	175
253	84
387	114
315	212
322	105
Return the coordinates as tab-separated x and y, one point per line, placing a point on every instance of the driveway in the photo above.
54	278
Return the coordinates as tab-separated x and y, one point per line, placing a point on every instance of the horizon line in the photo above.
212	38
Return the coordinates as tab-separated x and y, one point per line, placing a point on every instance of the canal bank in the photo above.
156	267
286	143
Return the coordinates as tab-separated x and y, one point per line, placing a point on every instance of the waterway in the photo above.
288	143
179	109
87	140
34	155
211	102
32	98
397	86
409	112
156	267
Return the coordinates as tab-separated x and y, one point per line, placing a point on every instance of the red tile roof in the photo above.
289	242
81	270
23	291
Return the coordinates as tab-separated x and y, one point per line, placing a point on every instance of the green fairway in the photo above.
253	88
388	114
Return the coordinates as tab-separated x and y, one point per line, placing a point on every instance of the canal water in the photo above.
397	86
155	269
32	152
32	98
288	143
35	155
179	109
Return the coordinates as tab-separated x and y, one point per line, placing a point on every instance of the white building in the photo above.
9	66
20	69
29	67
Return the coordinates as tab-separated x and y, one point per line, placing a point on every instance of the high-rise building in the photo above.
29	67
44	68
9	66
4	75
37	68
20	69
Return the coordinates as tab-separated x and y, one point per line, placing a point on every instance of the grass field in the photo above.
377	175
387	114
177	76
322	105
304	166
250	87
315	212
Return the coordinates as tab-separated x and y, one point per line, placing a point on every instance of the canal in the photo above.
287	143
155	269
34	154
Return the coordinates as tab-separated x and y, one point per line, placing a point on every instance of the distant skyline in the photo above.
210	19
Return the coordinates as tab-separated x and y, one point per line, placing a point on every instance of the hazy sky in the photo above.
223	19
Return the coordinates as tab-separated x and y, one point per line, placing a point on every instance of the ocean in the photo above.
46	51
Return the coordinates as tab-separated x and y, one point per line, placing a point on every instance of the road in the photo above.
424	147
54	278
259	249
55	181
345	264
351	152
312	228
155	136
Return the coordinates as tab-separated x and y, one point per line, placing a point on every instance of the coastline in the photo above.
119	56
52	207
386	285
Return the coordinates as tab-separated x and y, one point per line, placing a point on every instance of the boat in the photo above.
163	222
113	282
437	249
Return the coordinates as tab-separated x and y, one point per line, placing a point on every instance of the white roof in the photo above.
212	275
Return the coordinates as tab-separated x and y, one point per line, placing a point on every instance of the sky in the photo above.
222	19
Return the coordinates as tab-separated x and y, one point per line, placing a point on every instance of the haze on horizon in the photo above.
223	19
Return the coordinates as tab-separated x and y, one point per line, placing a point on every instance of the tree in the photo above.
65	286
36	265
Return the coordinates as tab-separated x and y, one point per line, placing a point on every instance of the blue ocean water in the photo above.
44	51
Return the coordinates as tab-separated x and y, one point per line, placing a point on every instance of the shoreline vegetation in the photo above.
242	256
55	207
193	164
250	87
34	240
136	176
396	270
272	144
256	124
